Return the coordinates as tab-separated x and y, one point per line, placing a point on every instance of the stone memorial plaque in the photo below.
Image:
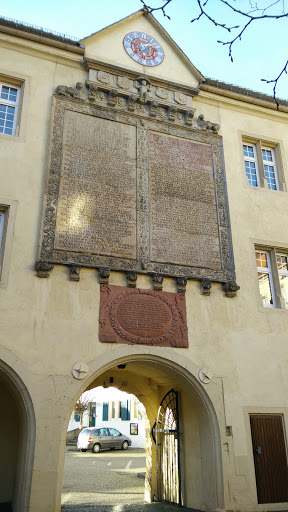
97	194
183	216
144	317
126	195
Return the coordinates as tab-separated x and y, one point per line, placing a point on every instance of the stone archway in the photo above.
17	440
149	375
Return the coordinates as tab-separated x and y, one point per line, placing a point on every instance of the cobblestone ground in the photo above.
109	481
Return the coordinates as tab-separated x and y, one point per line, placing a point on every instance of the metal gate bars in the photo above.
166	436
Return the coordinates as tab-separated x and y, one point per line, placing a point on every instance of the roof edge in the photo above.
243	94
37	35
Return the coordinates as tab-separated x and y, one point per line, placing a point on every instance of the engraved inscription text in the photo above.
97	199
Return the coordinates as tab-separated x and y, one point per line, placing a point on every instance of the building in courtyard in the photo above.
136	197
109	408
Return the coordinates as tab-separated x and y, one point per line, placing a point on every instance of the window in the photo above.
282	265
2	219
105	412
113	410
76	417
114	432
260	165
272	270
251	166
9	100
7	220
265	278
270	168
125	410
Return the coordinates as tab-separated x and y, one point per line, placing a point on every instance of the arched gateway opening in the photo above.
151	378
17	438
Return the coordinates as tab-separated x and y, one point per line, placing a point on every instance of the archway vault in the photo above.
17	398
149	373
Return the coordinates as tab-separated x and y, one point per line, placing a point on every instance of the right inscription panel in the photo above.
183	212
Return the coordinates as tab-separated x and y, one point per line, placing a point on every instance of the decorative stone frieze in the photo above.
112	97
172	112
104	77
124	82
143	87
162	93
180	98
93	88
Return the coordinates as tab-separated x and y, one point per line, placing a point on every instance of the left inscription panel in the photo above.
97	196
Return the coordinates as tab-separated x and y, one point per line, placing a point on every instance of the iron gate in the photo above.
166	436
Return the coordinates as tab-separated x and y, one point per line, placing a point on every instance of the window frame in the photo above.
23	83
8	208
254	160
10	103
268	271
274	275
270	164
282	273
260	145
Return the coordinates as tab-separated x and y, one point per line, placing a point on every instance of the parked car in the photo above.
98	438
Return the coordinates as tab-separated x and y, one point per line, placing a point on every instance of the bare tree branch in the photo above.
255	14
275	81
151	9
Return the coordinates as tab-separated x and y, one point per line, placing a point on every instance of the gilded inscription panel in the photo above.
183	213
97	194
142	317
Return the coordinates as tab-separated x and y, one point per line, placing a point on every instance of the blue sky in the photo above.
261	53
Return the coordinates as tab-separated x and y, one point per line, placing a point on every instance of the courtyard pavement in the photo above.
109	481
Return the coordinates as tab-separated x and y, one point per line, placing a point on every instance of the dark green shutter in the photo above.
105	412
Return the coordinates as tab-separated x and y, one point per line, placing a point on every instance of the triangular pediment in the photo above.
107	46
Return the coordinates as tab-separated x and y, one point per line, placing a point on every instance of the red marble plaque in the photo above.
142	317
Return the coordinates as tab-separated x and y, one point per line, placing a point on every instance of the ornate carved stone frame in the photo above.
144	119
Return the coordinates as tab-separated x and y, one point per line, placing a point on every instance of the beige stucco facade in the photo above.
47	325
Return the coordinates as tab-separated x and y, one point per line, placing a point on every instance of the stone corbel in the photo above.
157	282
112	97
172	112
231	289
104	274
188	117
132	100
75	272
154	108
93	88
43	268
205	286
131	279
181	284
